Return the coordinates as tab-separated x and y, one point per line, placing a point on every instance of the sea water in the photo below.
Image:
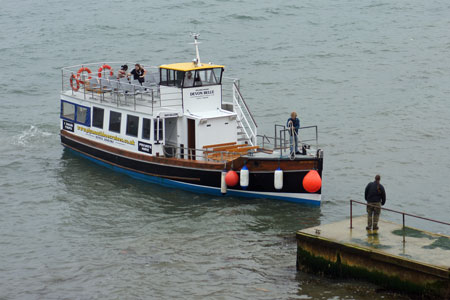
373	75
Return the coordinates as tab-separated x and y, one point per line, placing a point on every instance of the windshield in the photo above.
203	77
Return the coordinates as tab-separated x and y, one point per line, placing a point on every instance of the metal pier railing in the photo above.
394	211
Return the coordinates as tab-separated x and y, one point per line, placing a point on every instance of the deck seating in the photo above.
223	156
93	86
105	85
151	82
136	85
227	151
114	83
218	145
151	79
125	87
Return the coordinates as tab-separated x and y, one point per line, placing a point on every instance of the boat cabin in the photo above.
178	107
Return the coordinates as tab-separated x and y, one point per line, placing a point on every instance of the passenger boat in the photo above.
198	135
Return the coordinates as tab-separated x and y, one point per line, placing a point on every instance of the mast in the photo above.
196	42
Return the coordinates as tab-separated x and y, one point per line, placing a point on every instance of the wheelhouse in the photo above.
188	75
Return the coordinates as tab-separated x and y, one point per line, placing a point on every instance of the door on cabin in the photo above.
170	137
191	138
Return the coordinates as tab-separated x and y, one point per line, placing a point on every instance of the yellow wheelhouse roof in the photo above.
189	66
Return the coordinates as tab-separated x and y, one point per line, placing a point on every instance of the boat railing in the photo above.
104	86
172	151
227	90
281	141
246	121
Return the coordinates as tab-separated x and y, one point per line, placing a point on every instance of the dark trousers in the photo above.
373	214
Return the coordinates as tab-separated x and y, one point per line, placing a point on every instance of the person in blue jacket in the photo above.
293	124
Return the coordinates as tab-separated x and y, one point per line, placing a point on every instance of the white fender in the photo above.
223	184
244	177
278	179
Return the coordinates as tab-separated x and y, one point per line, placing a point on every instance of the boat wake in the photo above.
30	135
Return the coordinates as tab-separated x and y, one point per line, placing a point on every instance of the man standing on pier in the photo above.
376	197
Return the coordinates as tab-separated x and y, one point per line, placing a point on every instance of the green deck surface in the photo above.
420	246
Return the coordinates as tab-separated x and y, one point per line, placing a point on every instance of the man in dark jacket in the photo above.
376	197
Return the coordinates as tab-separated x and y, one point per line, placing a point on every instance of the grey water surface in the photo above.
373	75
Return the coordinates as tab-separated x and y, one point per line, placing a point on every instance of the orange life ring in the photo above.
105	66
83	69
76	80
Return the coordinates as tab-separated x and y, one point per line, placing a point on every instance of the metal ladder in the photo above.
247	127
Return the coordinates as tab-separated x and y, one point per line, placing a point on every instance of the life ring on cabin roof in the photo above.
105	66
81	70
71	83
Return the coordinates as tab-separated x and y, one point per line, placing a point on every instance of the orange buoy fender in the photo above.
77	82
84	69
278	179
231	178
312	181
244	177
105	66
223	184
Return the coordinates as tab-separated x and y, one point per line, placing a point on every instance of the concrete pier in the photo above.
421	265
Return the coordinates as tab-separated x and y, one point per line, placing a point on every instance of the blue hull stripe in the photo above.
191	187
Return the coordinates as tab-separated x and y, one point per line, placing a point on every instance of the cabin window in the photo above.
132	125
189	79
208	77
82	115
171	77
178	78
68	110
146	124
163	73
76	113
158	129
114	121
97	117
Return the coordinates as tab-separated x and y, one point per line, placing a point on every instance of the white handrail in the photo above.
244	116
101	63
248	126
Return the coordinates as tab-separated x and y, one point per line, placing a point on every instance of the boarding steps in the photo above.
246	125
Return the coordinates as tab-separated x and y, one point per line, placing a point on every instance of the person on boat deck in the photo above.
188	79
122	72
293	124
138	73
375	195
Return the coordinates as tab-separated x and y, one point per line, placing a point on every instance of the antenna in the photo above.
196	42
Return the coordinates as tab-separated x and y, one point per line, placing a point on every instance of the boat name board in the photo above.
144	147
106	137
201	93
170	115
69	126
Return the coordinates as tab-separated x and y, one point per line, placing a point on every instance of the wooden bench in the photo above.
231	153
219	145
244	149
229	148
223	156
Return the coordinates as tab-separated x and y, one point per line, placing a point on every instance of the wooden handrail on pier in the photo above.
395	211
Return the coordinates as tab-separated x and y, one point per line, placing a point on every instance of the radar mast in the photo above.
196	42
